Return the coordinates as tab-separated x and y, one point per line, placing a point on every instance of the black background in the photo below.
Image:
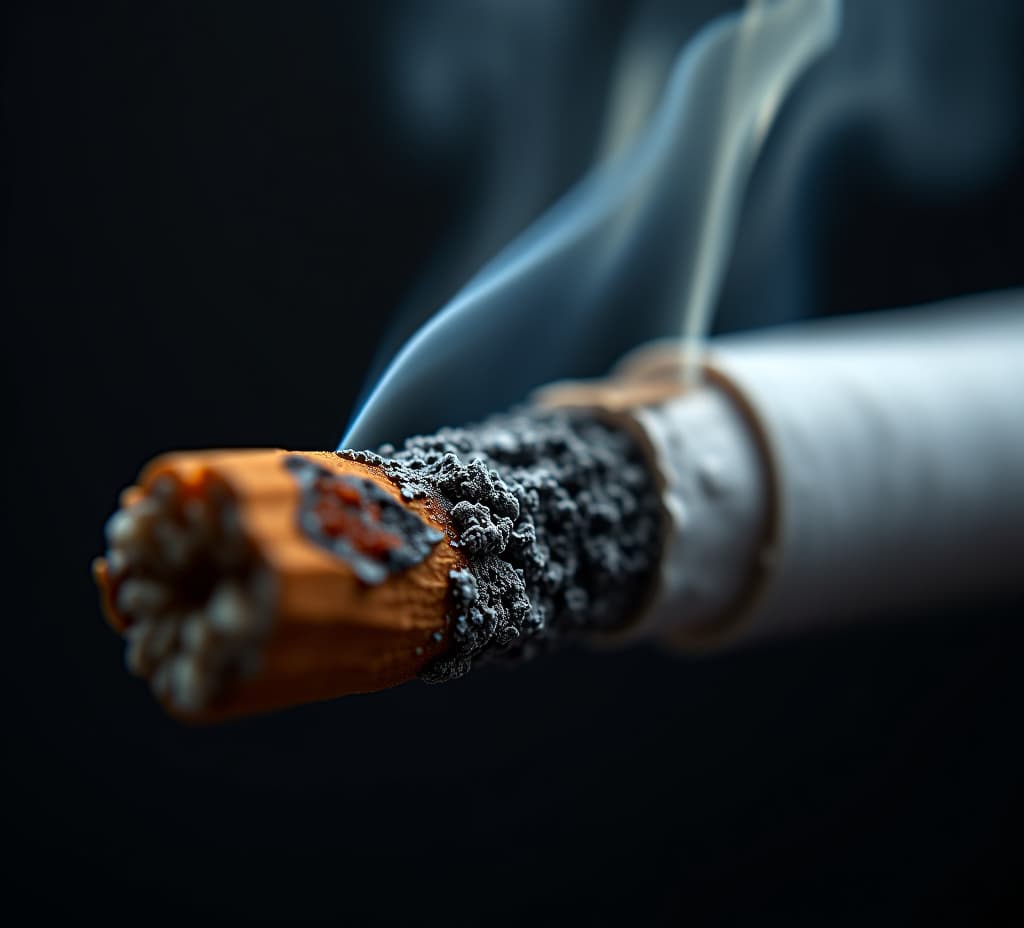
211	217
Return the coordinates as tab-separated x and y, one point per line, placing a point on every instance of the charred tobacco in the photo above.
558	517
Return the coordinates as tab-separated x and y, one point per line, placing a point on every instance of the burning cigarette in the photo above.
821	473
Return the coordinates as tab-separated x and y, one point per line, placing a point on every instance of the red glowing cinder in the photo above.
344	511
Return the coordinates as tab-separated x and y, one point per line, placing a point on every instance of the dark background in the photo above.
213	212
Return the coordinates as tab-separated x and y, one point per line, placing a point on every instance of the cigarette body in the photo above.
832	470
818	473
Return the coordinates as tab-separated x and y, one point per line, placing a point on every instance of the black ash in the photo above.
558	516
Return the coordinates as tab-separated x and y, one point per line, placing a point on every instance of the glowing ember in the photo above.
360	523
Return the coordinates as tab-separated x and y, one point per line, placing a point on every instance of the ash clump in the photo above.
479	532
558	516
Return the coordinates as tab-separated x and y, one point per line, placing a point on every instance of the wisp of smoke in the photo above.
637	246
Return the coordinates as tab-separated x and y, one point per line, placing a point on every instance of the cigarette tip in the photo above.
248	581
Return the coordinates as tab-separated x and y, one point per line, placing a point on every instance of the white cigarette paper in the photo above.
840	469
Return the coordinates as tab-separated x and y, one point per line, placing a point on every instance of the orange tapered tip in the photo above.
246	581
101	574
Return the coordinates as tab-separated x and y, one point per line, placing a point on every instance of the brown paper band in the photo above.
649	376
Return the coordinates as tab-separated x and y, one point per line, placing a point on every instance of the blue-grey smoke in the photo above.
611	264
507	96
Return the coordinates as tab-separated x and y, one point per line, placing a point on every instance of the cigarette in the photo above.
817	474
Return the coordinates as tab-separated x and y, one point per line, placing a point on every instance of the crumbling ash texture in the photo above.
558	516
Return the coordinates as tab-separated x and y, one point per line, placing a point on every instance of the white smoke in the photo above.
616	261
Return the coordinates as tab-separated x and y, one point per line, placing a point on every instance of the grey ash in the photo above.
558	516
